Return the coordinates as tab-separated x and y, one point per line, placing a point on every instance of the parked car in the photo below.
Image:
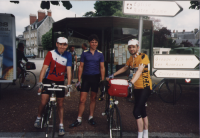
30	56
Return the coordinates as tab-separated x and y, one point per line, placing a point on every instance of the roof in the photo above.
184	35
37	23
101	22
192	41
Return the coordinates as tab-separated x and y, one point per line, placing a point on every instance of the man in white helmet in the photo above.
139	63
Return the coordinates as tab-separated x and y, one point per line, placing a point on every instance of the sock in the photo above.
140	134
90	117
145	133
38	117
61	125
79	119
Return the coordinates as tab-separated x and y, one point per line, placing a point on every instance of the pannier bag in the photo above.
118	87
30	66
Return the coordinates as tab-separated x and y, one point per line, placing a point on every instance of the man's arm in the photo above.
69	75
80	71
123	69
137	74
43	71
102	70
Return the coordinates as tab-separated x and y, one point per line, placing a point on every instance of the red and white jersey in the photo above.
57	64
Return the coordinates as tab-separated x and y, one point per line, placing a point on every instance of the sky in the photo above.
186	20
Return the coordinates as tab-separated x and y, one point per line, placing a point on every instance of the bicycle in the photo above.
30	79
112	113
166	90
49	113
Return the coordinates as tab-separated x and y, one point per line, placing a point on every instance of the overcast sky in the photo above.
187	20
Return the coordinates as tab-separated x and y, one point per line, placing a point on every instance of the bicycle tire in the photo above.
47	121
30	80
54	120
166	89
4	85
115	123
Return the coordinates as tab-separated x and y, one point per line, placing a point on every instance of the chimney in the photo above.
49	13
177	31
33	18
183	31
41	15
173	31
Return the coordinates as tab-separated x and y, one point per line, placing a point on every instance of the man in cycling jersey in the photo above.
54	67
91	69
140	65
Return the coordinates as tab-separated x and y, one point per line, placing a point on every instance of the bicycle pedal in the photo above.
103	114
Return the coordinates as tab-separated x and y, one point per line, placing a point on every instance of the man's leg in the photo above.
44	100
146	123
93	97
83	97
60	114
140	127
60	109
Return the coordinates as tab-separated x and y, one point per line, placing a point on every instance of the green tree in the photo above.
46	4
47	40
186	44
160	37
195	5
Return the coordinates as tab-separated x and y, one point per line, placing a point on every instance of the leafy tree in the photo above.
47	40
195	5
156	24
46	4
160	37
186	44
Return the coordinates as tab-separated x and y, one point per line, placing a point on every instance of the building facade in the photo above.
34	31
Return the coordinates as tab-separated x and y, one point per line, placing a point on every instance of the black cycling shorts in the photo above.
59	94
141	96
90	81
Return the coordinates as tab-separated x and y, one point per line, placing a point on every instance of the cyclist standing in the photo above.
54	67
91	69
140	65
20	70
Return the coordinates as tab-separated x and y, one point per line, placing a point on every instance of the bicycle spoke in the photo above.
166	91
30	80
115	123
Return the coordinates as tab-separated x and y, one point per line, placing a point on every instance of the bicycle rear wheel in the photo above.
166	90
30	80
115	123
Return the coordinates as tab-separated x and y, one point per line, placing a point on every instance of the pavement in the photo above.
154	133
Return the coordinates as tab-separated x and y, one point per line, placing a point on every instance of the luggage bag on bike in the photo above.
30	66
118	87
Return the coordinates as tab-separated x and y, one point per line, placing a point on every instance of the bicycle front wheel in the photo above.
115	123
166	91
30	80
54	120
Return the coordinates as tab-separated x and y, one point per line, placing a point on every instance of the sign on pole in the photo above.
152	8
177	74
175	61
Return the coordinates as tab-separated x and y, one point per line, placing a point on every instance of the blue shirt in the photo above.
91	62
